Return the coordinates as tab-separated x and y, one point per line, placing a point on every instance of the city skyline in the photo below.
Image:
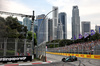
89	10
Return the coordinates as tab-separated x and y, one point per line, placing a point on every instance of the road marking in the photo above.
26	64
11	64
36	63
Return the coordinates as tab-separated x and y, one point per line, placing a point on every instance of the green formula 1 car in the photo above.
69	59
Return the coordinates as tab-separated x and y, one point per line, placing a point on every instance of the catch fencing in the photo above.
40	51
15	47
92	47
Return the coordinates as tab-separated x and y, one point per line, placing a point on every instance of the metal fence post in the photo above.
82	49
5	46
42	49
24	46
94	50
31	48
54	45
37	51
45	49
16	44
78	49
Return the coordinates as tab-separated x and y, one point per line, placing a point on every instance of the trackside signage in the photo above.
15	58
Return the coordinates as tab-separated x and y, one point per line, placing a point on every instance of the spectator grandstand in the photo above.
92	47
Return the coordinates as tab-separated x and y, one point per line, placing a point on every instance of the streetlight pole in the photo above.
40	27
45	17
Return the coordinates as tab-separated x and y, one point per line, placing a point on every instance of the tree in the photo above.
35	39
12	27
15	29
2	27
9	27
29	36
96	36
63	42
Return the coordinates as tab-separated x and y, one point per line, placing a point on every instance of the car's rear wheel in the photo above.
63	59
75	59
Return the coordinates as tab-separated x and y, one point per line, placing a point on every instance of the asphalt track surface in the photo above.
56	61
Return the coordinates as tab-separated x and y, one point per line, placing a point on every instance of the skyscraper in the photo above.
27	22
86	27
60	31
55	22
36	26
63	20
42	29
75	22
50	34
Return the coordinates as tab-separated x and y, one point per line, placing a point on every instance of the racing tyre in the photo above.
75	59
63	59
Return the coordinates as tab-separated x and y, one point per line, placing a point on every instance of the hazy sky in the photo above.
89	10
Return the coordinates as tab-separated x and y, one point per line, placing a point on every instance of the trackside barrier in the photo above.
14	50
77	55
40	51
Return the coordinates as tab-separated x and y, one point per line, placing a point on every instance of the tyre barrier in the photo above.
43	58
77	55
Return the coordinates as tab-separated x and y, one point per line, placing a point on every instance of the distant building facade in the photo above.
42	29
63	19
55	22
36	26
50	31
97	28
60	31
75	22
20	22
27	22
86	27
